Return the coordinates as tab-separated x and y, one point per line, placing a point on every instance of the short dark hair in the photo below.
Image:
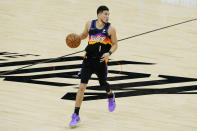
102	8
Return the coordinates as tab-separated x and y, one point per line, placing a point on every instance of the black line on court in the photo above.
158	29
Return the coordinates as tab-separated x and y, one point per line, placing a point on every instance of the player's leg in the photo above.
79	98
101	73
86	73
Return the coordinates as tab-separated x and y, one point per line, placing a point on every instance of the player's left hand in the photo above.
105	56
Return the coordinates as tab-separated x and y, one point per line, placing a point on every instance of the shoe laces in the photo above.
74	116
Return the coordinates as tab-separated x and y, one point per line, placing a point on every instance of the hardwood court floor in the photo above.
154	75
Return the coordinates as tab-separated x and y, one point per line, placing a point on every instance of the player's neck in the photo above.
100	23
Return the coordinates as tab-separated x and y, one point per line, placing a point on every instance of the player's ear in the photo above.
98	15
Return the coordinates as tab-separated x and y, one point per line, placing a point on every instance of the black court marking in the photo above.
15	55
158	29
123	89
63	67
7	53
46	61
129	89
3	60
135	92
26	62
84	50
40	78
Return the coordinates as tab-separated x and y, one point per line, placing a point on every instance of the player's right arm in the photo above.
85	33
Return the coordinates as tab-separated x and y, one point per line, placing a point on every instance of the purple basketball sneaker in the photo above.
75	120
111	103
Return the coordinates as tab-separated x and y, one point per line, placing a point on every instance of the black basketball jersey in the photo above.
99	41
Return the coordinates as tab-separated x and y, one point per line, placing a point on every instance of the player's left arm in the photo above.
114	40
112	33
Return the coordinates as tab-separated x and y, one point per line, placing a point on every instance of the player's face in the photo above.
104	16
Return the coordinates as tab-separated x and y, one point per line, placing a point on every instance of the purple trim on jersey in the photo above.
96	27
107	31
91	26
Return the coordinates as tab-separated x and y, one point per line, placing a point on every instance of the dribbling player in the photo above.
101	44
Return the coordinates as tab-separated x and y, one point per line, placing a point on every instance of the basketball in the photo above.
73	40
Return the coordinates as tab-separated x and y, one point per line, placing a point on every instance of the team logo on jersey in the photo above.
104	31
97	38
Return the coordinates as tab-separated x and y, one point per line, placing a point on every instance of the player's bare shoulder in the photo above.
111	30
88	24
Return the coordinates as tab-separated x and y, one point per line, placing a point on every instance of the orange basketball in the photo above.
73	40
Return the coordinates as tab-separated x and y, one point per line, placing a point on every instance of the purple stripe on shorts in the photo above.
106	70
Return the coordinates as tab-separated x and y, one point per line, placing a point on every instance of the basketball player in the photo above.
101	44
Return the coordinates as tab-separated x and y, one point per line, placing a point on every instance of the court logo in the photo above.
137	83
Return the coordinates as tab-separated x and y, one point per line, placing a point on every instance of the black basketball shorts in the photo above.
90	66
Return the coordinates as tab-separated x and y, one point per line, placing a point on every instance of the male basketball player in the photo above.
101	44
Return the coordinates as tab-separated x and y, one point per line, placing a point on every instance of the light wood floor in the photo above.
161	97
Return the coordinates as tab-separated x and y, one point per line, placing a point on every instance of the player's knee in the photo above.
82	87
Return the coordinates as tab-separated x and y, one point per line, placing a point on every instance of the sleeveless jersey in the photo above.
99	41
